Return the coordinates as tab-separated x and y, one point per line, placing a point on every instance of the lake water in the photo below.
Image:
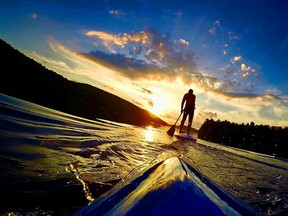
54	163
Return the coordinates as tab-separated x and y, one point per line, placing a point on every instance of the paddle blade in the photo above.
171	131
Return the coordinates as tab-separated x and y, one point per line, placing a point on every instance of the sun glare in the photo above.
149	134
160	103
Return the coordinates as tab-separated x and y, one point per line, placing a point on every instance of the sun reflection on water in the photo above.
149	134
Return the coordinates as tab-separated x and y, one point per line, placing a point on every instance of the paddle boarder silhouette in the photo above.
188	102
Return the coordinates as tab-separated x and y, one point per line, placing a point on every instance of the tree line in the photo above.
265	139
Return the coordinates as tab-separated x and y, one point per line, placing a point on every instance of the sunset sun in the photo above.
158	105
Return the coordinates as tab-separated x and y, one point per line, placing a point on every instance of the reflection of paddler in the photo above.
189	101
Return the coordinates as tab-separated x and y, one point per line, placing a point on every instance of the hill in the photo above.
24	78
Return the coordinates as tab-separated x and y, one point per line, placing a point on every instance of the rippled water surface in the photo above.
54	163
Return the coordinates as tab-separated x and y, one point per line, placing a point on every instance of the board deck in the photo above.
185	137
171	187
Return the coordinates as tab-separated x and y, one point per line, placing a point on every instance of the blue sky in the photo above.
233	54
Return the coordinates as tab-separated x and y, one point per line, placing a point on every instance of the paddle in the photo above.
171	131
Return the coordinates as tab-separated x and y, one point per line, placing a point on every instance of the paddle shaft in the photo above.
172	129
178	118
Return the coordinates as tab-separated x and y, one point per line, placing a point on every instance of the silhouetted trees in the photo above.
258	138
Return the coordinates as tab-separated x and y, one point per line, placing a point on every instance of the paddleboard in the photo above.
185	137
171	187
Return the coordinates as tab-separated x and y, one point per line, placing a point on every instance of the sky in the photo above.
233	54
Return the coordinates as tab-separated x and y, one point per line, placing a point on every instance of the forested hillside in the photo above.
23	78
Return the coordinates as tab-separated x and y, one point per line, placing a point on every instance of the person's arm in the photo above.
182	103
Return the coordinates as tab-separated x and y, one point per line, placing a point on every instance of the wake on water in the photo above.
53	163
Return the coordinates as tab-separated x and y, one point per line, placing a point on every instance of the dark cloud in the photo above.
137	103
239	95
142	89
120	61
147	91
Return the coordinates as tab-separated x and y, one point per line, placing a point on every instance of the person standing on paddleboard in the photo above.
189	101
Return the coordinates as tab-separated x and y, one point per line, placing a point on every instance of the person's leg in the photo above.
183	121
189	126
191	115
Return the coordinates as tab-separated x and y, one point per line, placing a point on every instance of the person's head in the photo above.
190	91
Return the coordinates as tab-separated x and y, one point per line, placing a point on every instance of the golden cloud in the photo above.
235	58
245	68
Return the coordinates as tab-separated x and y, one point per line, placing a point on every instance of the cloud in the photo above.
267	112
151	104
262	109
137	103
138	77
148	45
235	58
212	30
147	91
148	55
202	114
57	64
145	54
245	68
239	95
108	40
274	100
34	16
116	12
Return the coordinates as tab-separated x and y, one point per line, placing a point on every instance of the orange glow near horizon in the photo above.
162	97
159	105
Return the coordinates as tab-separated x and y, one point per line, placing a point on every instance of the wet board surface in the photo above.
171	187
185	137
